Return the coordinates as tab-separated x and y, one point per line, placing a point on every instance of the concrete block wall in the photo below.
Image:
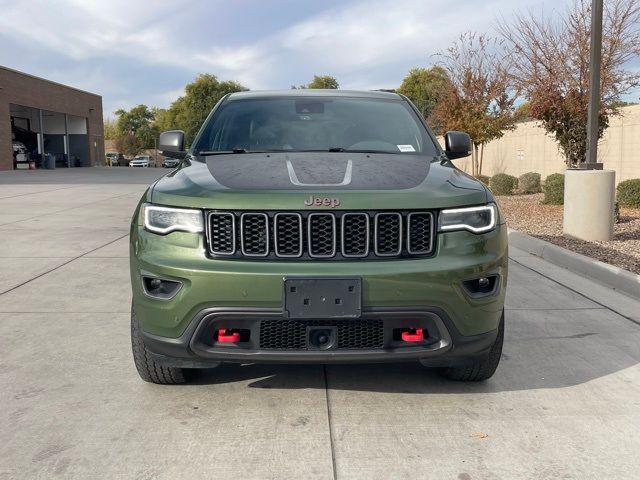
528	148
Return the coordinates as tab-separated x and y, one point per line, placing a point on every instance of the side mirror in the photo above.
171	144
457	144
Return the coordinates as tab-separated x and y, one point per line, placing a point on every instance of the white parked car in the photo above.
140	161
170	162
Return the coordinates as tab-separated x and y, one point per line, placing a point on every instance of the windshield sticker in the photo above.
406	148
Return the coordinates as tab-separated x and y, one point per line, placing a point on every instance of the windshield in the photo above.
316	124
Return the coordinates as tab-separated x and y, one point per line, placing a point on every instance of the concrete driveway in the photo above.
565	402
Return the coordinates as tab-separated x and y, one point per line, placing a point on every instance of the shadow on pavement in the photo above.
528	362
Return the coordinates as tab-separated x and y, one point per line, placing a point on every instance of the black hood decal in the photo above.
336	171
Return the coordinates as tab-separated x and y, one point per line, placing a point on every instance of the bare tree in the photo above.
479	98
551	66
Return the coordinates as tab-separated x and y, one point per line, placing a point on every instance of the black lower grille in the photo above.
292	334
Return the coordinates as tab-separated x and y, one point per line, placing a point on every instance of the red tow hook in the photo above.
227	336
413	335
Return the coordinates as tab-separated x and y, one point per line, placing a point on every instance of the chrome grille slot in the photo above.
254	234
388	234
419	233
222	233
321	235
355	235
287	229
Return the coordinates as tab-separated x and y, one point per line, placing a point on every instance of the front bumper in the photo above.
425	288
196	347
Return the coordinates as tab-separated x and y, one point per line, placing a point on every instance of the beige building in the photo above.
529	149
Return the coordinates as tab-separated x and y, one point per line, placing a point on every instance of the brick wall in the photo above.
23	89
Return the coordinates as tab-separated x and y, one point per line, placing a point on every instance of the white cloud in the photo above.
164	99
346	41
85	29
364	43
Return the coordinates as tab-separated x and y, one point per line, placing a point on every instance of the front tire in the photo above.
478	370
148	369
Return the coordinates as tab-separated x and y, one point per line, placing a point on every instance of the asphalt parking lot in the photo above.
565	401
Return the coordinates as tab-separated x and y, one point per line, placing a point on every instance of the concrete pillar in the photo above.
41	135
6	150
66	139
589	200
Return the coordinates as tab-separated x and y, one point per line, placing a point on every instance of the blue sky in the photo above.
133	52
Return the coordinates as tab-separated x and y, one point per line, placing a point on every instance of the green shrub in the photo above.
503	184
529	183
629	193
554	189
484	179
616	212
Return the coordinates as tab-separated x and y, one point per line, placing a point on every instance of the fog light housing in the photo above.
160	288
482	286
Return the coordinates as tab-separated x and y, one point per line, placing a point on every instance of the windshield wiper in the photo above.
330	149
311	150
342	149
387	152
227	152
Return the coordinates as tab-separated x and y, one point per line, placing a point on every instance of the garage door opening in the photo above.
25	135
46	139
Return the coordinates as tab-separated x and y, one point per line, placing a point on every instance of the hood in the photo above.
289	180
299	171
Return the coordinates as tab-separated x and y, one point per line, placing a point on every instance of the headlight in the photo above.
475	219
165	220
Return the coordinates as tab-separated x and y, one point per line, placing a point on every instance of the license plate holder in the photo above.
323	297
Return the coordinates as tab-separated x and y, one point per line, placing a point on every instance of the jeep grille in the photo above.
320	234
222	234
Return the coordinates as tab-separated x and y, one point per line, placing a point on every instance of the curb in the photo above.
615	277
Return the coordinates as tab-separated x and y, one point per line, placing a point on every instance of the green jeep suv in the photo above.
317	226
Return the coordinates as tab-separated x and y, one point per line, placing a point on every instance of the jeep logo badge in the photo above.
322	202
